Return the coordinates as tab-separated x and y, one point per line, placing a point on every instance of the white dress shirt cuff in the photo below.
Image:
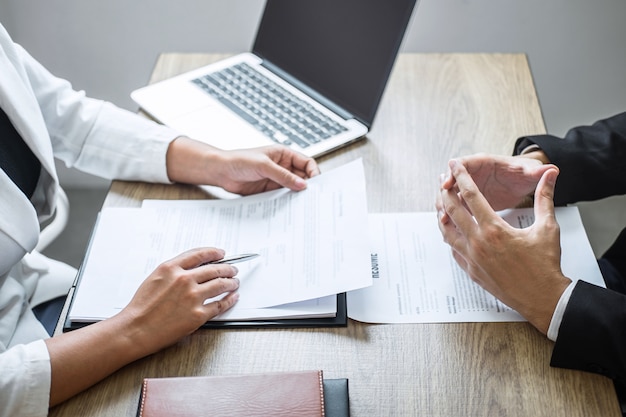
25	380
559	311
530	148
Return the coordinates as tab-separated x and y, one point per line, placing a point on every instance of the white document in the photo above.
416	279
313	245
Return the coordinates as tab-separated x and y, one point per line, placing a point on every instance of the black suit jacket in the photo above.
592	164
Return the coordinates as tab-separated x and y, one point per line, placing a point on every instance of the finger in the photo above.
471	163
455	210
538	170
447	180
305	164
470	194
452	236
311	168
299	173
219	306
294	161
544	196
283	177
209	272
218	286
438	202
441	214
194	257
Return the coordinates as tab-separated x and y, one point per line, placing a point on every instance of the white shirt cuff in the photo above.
25	380
559	311
529	149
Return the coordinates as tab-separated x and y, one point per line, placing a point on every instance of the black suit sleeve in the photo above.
592	336
592	164
591	160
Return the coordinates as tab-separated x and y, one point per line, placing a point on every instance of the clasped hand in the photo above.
520	267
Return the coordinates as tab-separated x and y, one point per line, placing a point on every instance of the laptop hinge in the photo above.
311	92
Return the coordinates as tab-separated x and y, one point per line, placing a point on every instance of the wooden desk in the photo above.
436	106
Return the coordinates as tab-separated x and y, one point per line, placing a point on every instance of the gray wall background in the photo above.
576	48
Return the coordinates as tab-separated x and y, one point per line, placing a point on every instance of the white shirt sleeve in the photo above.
95	136
559	311
25	381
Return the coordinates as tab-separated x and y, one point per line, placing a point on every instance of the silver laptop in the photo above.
313	81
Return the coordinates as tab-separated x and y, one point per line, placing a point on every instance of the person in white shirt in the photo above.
44	118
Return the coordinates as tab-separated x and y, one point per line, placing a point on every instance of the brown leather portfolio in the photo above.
269	394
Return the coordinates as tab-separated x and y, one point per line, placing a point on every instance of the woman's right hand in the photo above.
170	303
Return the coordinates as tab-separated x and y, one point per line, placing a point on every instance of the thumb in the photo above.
544	195
540	170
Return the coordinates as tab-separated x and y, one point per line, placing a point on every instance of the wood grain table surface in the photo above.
436	106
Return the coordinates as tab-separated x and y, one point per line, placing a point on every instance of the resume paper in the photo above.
416	279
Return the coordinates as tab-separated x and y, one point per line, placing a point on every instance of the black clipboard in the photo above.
340	320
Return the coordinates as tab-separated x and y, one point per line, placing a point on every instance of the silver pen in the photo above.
235	259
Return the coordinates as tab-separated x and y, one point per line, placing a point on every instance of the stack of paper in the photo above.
313	246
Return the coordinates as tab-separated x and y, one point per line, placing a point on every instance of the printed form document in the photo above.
416	279
313	246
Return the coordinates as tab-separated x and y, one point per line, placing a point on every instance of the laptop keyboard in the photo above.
274	111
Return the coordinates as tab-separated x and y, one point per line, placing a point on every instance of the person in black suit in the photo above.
521	267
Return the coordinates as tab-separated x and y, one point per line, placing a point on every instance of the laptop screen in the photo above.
342	49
